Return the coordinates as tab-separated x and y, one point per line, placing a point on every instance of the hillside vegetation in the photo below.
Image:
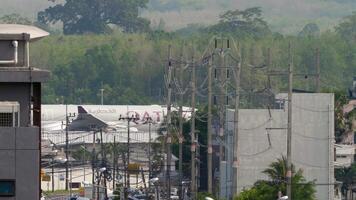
131	67
130	64
284	16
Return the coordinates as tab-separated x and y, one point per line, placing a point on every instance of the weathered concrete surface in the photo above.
312	142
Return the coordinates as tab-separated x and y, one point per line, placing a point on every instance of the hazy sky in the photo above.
286	16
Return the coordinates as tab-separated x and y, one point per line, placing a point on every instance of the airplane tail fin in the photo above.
81	110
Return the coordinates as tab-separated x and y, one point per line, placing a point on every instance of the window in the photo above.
74	185
9	114
6	120
7	188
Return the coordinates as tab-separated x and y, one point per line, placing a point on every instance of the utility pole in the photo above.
149	151
93	164
289	130
67	148
317	70
236	125
269	65
181	137
168	139
84	161
221	100
210	148
128	119
52	178
103	163
71	185
68	115
193	140
114	163
290	73
102	96
102	93
128	156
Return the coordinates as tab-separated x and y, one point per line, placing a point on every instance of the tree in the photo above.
347	176
203	195
15	19
347	28
201	135
268	189
243	23
310	30
117	192
341	126
96	16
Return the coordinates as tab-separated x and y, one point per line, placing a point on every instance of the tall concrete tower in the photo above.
20	114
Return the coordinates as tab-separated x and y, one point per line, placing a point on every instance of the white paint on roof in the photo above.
35	33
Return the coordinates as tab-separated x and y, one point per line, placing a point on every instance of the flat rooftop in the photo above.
16	29
23	75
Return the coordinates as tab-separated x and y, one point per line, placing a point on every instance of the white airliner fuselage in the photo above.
54	116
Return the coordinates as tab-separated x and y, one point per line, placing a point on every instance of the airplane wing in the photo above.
53	126
86	122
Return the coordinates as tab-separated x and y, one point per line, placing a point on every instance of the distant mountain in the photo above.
286	16
27	8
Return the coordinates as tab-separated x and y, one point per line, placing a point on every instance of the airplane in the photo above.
107	117
88	120
54	116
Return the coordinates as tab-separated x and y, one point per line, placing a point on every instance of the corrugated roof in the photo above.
35	33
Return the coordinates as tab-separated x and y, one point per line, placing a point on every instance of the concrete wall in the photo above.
7	51
312	142
17	92
20	161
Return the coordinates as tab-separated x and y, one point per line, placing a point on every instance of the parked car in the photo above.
78	198
174	197
138	197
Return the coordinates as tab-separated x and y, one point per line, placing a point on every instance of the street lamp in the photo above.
154	181
62	160
102	170
84	159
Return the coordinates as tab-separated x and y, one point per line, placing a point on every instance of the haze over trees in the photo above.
109	45
242	23
96	16
347	28
284	16
130	67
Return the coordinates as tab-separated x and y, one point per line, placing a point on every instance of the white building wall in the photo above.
312	142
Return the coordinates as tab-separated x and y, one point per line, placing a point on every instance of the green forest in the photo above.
126	57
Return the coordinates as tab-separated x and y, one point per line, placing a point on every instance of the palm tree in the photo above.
301	188
346	175
277	170
268	189
342	175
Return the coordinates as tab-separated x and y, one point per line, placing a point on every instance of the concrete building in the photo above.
263	139
344	155
20	114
